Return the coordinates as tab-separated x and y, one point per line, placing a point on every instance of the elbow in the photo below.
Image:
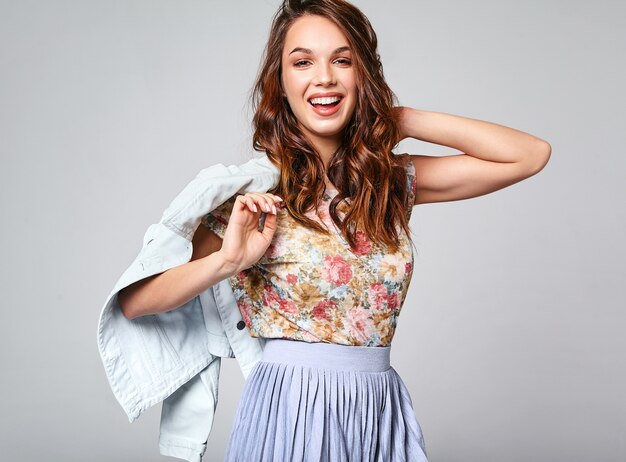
127	308
544	154
539	157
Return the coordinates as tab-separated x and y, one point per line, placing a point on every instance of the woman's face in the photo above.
318	78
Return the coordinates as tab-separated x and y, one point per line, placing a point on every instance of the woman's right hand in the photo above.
243	244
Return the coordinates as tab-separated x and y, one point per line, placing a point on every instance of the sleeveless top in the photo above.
314	287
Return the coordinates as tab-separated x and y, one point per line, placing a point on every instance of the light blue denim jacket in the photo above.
174	356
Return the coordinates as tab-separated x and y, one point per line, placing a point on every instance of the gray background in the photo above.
511	341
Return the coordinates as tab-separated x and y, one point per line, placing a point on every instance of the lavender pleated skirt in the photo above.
325	402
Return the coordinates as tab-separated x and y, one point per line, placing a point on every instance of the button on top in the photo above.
241	325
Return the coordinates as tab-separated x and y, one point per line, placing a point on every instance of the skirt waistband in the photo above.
327	355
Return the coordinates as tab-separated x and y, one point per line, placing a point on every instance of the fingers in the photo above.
269	226
261	202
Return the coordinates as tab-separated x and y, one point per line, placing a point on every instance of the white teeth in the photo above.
326	100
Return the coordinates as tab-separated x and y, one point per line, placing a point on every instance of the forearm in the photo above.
174	287
477	138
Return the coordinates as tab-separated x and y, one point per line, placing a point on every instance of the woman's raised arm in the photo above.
493	156
212	260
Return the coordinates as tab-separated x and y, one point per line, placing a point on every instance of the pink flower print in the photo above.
240	277
362	324
377	296
320	310
393	301
245	307
271	299
288	306
336	270
407	268
362	245
277	248
292	279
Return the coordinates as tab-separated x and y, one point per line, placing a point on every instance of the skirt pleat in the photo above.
319	402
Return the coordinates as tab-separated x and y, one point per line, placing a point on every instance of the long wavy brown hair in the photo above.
368	176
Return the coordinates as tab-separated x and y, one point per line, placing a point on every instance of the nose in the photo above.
325	75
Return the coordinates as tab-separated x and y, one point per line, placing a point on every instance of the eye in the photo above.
343	61
301	63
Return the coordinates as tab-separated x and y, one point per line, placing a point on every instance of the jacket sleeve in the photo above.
149	358
187	416
212	187
146	359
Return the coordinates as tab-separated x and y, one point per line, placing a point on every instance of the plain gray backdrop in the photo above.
511	340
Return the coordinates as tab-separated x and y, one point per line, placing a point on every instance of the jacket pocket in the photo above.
157	346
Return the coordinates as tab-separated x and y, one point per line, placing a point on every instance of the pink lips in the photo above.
327	109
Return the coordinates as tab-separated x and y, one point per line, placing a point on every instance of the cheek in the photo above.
350	84
352	89
293	85
353	85
355	94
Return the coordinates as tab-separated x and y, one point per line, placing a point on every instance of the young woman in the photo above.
320	265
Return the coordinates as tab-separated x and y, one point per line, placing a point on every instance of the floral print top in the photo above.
314	287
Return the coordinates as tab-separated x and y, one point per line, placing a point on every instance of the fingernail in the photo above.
266	207
274	209
254	207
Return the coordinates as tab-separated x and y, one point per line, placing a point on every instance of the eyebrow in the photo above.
309	52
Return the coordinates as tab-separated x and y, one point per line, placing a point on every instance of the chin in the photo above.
326	131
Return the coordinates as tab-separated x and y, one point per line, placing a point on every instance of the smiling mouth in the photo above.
326	101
